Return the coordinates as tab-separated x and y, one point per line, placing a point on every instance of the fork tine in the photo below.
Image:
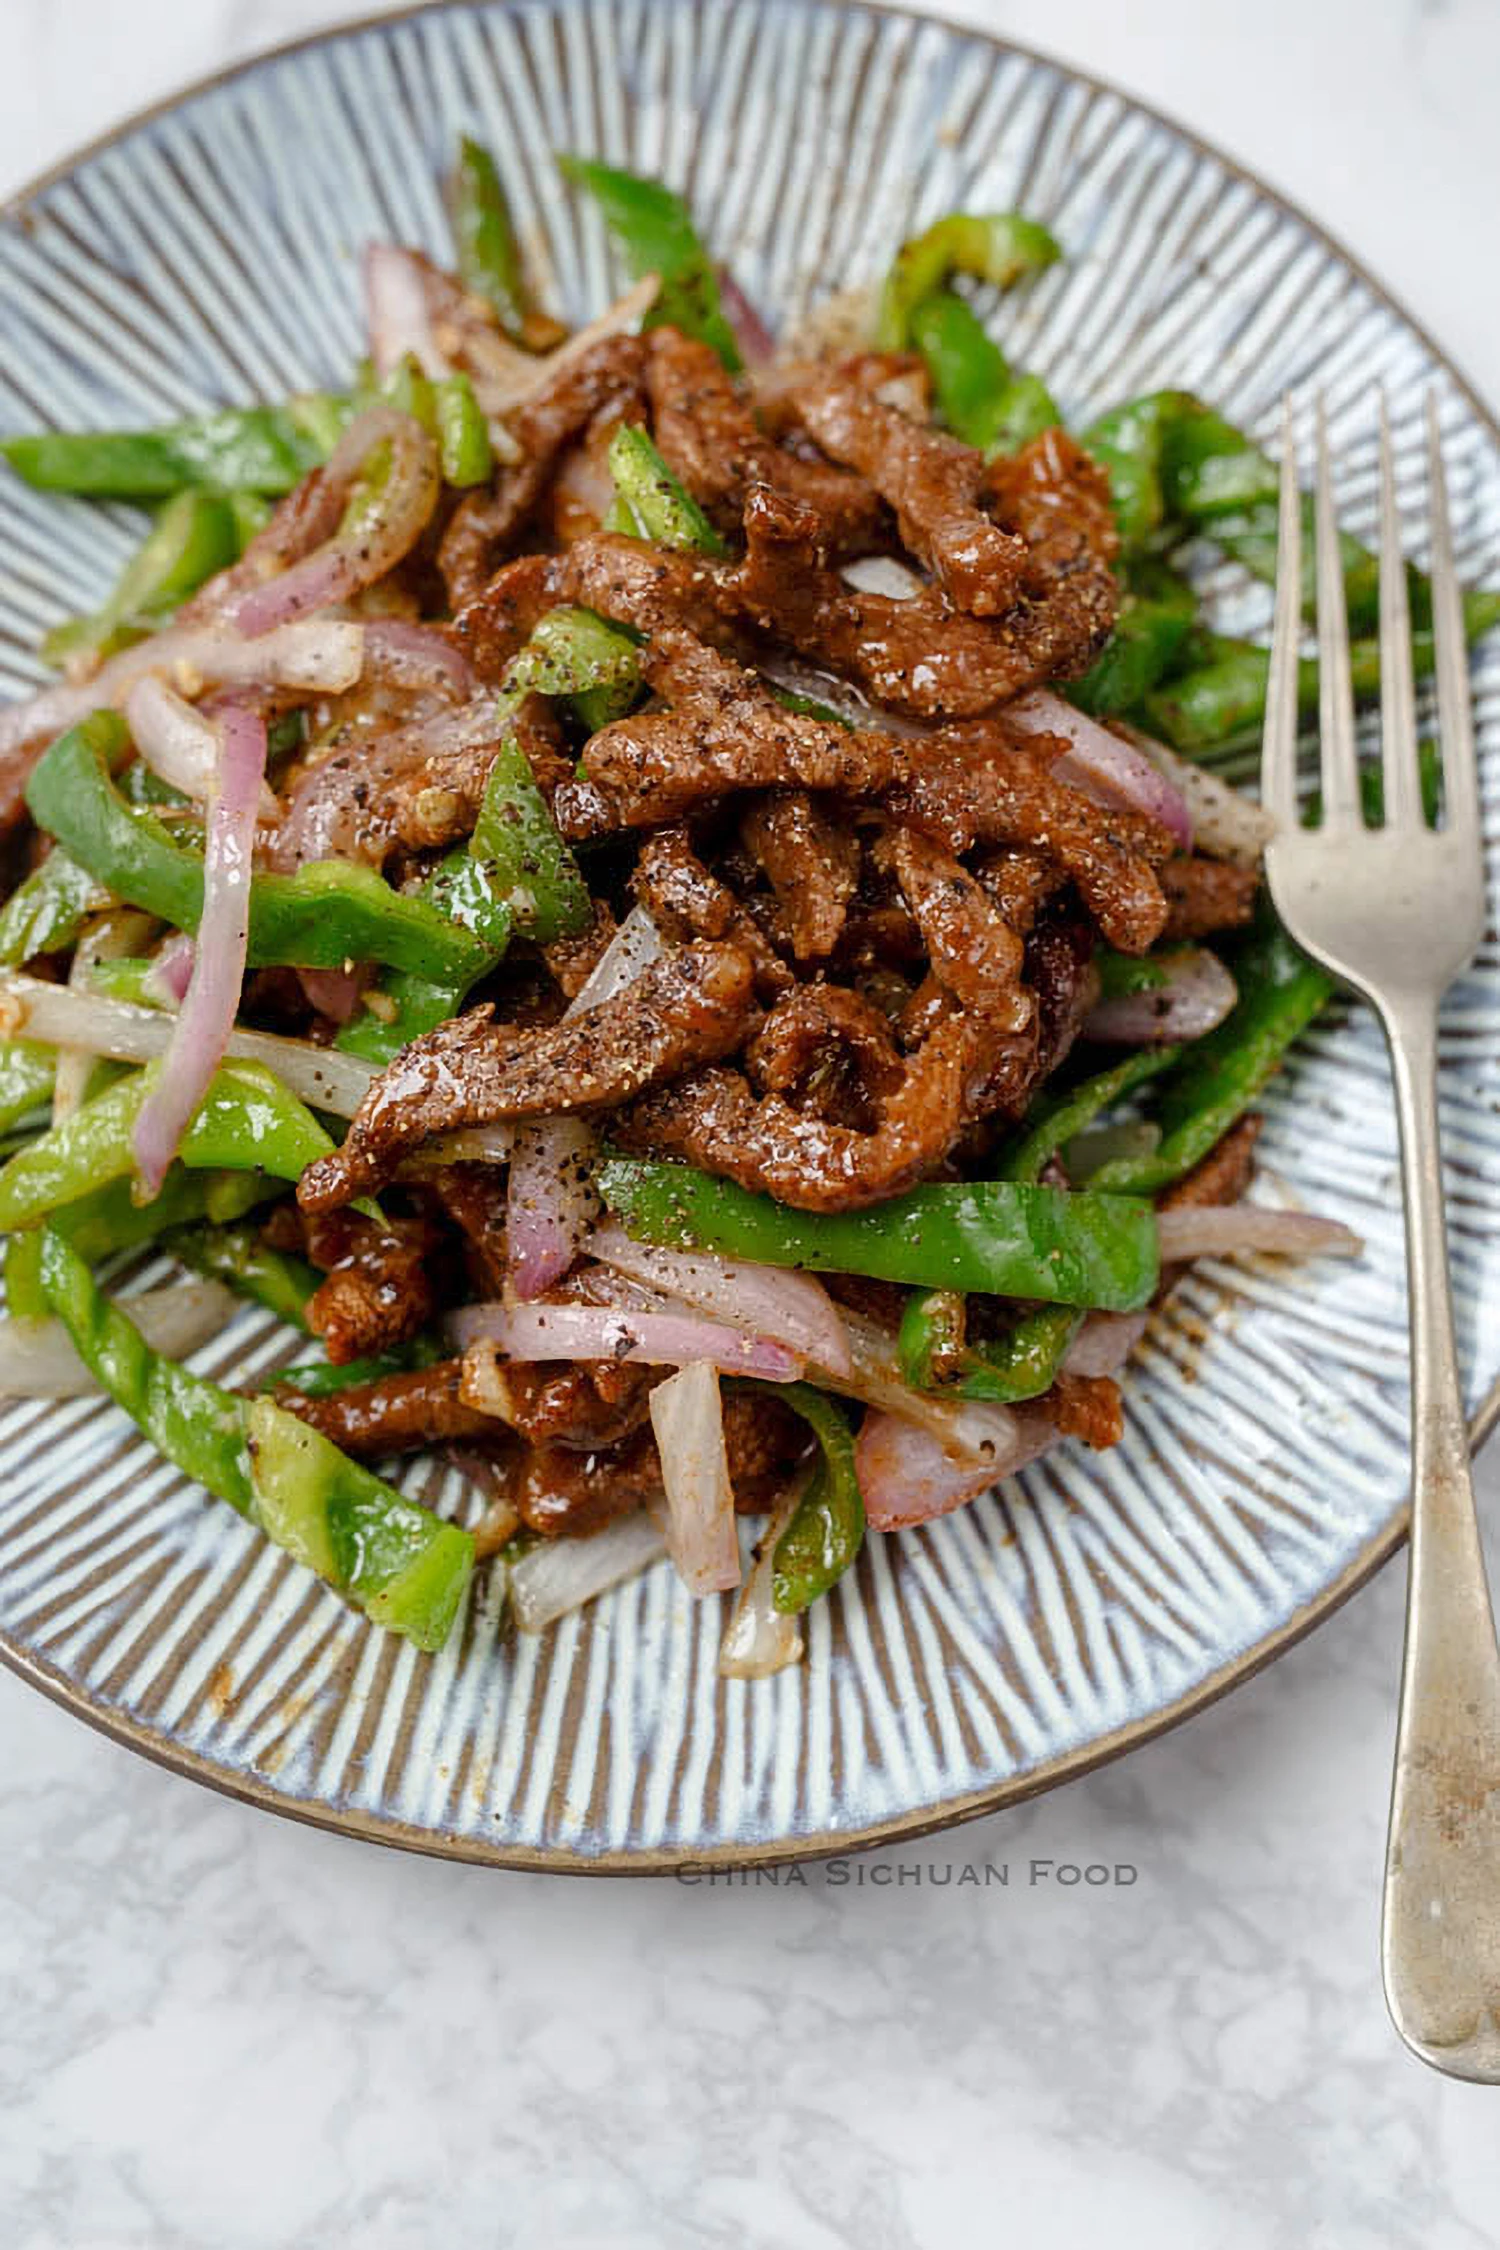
1398	704
1455	715
1341	807
1278	766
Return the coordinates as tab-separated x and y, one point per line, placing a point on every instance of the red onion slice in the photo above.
1104	1343
397	315
1226	1230
757	344
335	993
650	1339
550	1201
180	745
201	1032
1226	823
389	525
792	1308
907	1477
166	981
323	656
58	1017
688	1418
1104	767
1198	993
403	654
562	1574
631	951
37	1359
760	1638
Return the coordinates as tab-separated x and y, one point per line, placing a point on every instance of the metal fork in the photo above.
1396	910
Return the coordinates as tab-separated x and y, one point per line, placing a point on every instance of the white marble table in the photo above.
222	2032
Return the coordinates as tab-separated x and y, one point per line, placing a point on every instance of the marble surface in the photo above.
224	2032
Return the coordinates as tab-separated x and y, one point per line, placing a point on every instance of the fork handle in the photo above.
1441	1930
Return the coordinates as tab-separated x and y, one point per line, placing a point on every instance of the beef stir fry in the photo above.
642	890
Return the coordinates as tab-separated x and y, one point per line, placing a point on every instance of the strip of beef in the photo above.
1020	882
961	785
474	1197
397	1414
829	1052
691	1006
417	789
380	1283
707	433
932	481
724	732
974	952
1056	498
967	791
579	1406
811	863
571	961
1204	895
496	620
918	656
714	1120
1088	1407
485	522
687	900
568	1495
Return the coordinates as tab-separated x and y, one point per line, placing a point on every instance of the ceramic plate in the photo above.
210	251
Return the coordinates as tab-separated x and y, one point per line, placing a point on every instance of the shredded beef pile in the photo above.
879	934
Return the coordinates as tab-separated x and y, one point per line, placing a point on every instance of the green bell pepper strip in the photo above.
968	369
574	654
109	1220
1220	1075
517	840
979	398
1000	1238
247	1121
259	449
1058	1118
463	434
1023	410
827	1528
1128	443
27	1072
659	507
46	912
655	230
325	914
196	534
25	1298
1220	703
318	1379
1004	1369
237	1256
486	251
403	1566
1000	247
1156	616
515	870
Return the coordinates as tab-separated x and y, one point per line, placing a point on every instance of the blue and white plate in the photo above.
210	252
